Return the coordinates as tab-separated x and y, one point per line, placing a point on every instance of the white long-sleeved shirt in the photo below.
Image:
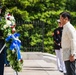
68	41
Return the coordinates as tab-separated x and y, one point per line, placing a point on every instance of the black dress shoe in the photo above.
60	70
65	73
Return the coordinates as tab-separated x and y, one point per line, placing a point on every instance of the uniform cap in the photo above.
58	20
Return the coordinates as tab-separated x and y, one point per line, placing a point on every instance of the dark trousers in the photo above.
1	64
70	67
6	61
2	57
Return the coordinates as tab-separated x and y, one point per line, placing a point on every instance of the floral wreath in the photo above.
13	43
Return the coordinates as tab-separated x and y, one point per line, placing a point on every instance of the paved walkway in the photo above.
35	67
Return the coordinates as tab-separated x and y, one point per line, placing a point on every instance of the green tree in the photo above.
70	5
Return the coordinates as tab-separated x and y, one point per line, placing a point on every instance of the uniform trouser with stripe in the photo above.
70	67
60	62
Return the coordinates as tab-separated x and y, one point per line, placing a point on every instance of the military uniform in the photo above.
57	46
57	37
2	53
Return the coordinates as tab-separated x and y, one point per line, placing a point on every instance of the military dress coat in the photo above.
57	37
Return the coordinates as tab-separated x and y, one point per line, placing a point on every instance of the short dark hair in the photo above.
66	14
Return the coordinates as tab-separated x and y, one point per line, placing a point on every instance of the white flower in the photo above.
13	51
5	26
12	18
8	23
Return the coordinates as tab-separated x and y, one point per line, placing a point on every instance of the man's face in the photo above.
62	20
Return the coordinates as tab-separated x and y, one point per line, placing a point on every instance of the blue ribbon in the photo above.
15	44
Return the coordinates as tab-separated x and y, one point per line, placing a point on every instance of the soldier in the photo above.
57	46
2	53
